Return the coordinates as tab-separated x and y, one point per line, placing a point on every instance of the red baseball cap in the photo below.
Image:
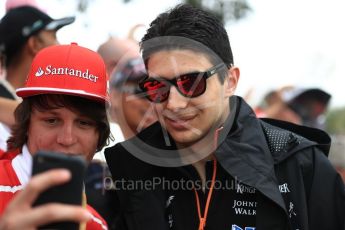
67	69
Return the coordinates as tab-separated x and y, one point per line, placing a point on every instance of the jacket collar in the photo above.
244	153
248	147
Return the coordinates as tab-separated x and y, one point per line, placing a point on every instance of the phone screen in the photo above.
68	193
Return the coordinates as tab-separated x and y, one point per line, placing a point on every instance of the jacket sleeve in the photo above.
327	196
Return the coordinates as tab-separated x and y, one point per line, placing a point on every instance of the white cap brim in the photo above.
58	23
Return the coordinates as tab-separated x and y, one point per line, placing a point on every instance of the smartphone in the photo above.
68	193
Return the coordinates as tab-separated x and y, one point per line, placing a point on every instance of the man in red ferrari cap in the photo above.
63	110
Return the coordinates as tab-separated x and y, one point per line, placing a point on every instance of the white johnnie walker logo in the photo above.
39	72
244	207
56	71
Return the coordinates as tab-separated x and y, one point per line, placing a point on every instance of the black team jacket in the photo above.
286	165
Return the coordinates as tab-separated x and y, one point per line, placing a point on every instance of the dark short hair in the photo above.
94	110
192	25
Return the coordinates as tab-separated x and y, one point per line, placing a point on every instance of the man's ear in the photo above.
231	81
33	45
116	100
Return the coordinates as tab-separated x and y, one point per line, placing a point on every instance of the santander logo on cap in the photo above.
39	72
67	69
56	71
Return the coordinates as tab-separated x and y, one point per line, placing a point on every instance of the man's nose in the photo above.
66	135
176	101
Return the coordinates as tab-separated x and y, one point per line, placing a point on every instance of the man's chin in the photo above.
184	138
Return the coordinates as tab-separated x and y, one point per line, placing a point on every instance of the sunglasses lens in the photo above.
192	85
156	91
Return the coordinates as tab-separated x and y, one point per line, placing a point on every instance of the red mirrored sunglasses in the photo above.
189	85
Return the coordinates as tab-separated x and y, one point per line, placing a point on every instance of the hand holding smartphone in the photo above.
69	193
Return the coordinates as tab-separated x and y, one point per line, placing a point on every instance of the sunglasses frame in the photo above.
174	82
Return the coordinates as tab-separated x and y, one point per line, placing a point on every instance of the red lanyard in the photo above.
202	219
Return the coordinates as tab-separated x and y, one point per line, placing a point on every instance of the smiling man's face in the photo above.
188	120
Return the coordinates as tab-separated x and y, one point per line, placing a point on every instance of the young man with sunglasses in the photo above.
209	163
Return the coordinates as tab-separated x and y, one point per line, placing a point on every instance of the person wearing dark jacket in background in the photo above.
24	31
210	163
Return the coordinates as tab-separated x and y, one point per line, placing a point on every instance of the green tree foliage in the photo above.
335	121
226	10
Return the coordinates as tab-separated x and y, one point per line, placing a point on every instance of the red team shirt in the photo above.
15	171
